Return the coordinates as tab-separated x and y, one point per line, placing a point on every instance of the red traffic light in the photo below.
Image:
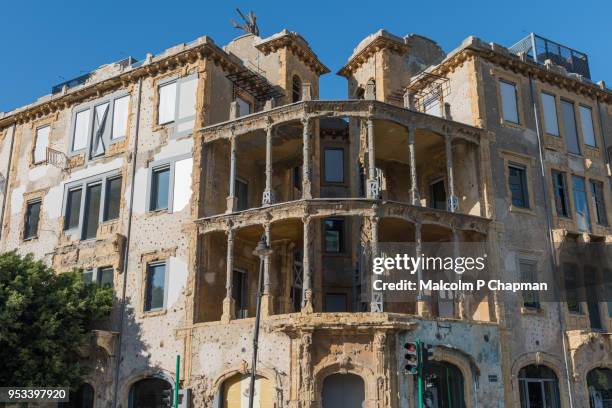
411	347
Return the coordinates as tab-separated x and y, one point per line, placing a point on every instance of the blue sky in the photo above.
47	42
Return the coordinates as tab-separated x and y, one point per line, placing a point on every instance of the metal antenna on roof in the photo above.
250	23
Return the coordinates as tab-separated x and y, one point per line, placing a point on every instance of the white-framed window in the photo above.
169	184
89	202
509	101
156	284
96	125
41	142
177	104
549	107
586	123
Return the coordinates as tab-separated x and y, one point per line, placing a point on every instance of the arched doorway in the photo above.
82	397
343	391
443	386
235	392
539	387
149	393
599	383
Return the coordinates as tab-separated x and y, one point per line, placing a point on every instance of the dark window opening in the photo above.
599	383
82	397
239	293
149	393
561	201
112	199
517	181
334	235
242	194
296	89
571	283
538	387
438	195
335	302
73	209
92	211
569	122
598	202
529	274
334	165
444	386
32	217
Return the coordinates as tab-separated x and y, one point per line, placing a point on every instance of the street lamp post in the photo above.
262	250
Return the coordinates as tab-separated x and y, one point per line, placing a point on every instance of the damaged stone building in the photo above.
159	177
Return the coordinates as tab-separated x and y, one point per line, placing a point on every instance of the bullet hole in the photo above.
537	342
438	336
243	350
486	338
161	343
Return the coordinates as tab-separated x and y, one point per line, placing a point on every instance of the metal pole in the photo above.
256	331
420	372
176	385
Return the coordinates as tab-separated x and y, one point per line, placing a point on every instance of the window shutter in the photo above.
186	104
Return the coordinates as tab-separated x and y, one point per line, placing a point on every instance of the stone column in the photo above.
307	306
423	299
414	186
266	299
232	201
306	171
451	198
373	187
376	301
228	302
460	299
268	196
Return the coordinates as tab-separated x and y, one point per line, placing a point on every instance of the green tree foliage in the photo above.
45	321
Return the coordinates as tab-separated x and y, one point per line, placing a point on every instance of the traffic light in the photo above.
167	399
427	351
411	357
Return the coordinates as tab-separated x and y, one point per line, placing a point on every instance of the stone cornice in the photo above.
514	63
204	48
297	45
381	42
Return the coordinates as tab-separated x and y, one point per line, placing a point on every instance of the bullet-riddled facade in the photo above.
159	177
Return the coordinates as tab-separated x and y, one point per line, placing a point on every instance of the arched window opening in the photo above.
82	397
149	393
343	391
296	89
538	387
359	93
236	389
370	89
599	383
443	386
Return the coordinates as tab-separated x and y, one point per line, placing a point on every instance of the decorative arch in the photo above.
466	365
150	372
344	366
243	369
543	359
